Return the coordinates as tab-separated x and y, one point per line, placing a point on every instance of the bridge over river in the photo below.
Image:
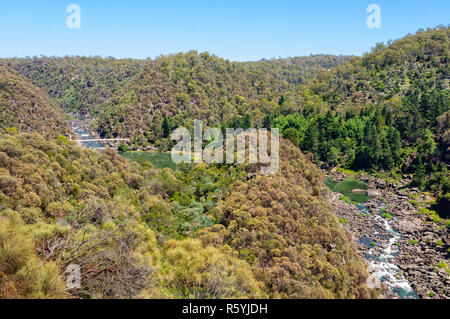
98	143
84	139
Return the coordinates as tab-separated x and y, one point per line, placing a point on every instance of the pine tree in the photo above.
418	171
428	146
292	135
165	127
246	122
311	140
267	122
395	143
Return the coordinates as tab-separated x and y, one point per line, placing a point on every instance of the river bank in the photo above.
405	250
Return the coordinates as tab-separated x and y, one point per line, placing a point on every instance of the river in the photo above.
380	261
84	135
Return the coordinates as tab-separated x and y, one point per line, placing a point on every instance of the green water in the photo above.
345	188
158	160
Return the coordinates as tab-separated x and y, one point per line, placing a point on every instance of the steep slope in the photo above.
296	70
200	232
416	64
26	107
282	225
61	205
77	84
384	111
190	86
133	96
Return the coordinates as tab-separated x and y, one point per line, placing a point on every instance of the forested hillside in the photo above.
132	96
25	107
215	231
296	70
200	232
282	226
189	86
76	84
387	111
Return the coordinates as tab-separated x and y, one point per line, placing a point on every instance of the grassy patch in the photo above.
345	199
413	242
348	172
345	188
343	221
158	160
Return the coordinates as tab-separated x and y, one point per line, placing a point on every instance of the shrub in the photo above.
24	275
431	213
442	265
12	130
414	203
9	185
194	271
31	215
387	216
59	209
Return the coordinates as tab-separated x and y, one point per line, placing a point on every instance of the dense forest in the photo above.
76	84
131	98
25	107
194	233
140	232
210	231
387	111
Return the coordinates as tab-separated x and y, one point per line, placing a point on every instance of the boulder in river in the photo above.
373	193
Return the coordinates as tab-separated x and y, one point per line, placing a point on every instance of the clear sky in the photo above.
239	30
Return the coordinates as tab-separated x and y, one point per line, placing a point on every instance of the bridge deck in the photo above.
104	140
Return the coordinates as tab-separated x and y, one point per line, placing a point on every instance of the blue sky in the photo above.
239	30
